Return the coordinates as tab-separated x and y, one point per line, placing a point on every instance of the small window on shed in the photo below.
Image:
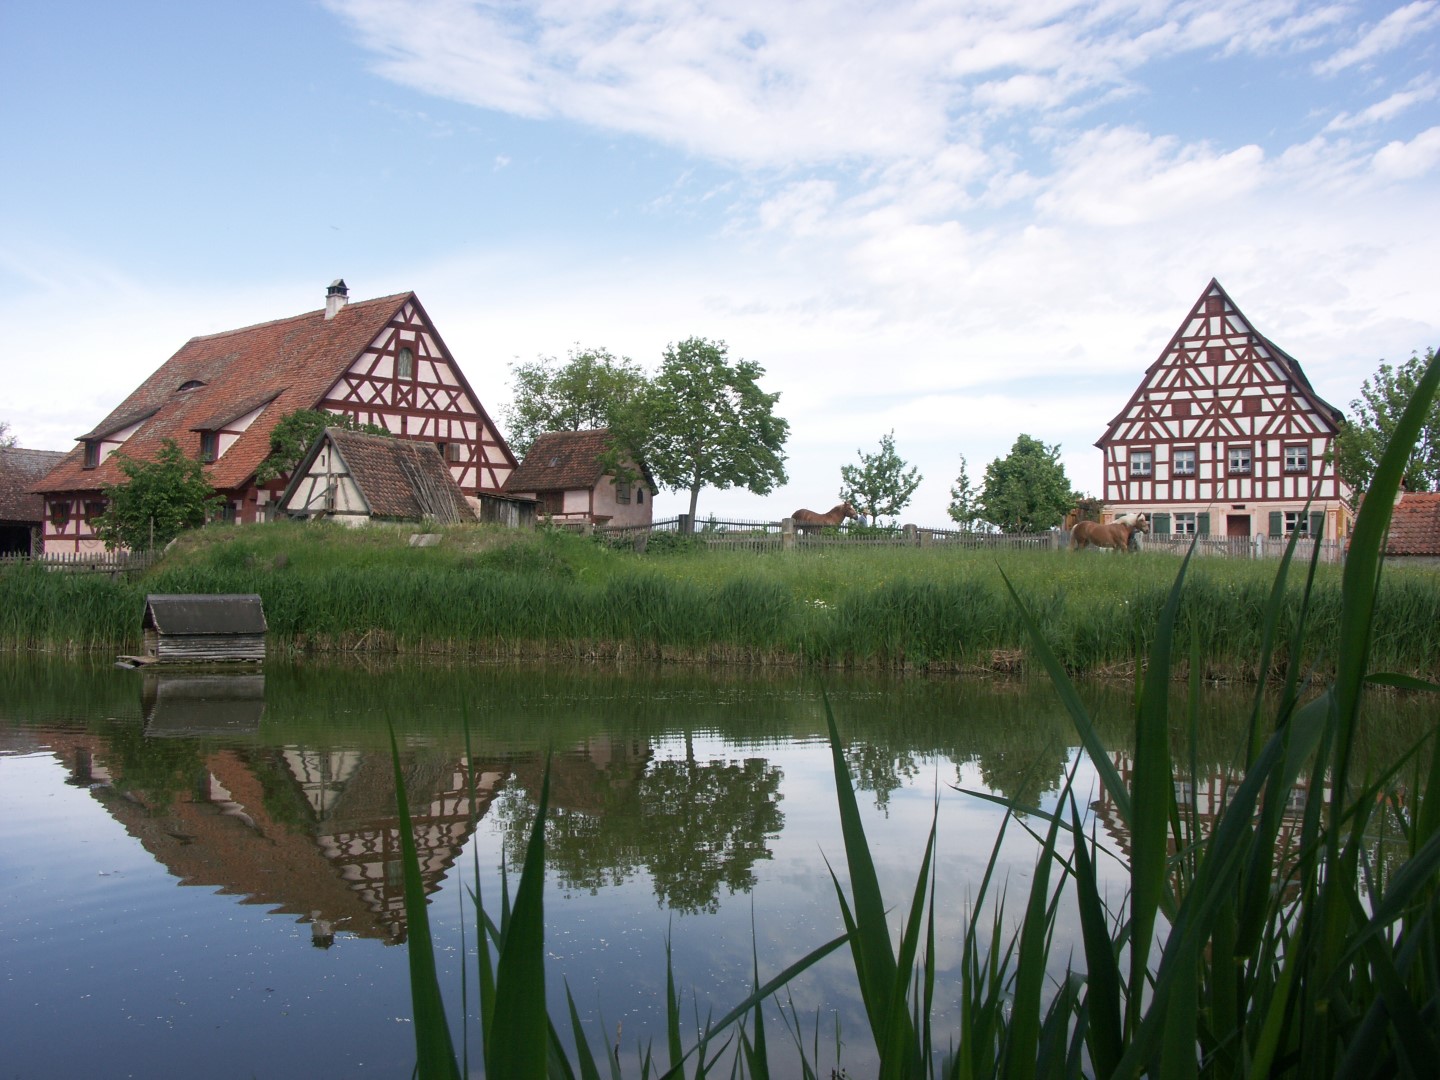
60	513
209	445
92	453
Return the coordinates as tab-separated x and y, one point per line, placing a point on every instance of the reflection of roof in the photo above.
198	613
229	831
20	471
1415	525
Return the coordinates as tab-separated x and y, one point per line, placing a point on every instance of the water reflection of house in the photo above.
1207	798
307	832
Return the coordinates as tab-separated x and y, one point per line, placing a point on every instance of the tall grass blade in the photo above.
520	1033
434	1049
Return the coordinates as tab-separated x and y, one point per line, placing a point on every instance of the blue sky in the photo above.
959	221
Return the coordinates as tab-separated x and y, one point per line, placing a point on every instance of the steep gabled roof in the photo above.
1287	363
289	363
20	472
565	461
1415	525
398	478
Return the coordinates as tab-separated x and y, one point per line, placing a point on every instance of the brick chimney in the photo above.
336	297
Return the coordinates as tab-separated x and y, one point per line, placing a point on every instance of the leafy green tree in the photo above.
157	500
296	432
964	508
1027	491
703	421
1364	438
587	391
880	486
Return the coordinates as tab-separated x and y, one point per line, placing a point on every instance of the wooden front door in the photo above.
1237	524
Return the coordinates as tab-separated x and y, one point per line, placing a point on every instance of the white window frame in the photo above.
1237	467
1194	456
1183	524
1136	459
1297	458
1297	521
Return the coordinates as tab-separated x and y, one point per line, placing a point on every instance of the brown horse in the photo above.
1115	535
809	519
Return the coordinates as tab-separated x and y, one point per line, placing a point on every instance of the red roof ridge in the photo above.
394	298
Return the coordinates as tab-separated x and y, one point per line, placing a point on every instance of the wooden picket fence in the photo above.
101	562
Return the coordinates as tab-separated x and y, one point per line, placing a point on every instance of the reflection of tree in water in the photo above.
694	825
1024	774
881	770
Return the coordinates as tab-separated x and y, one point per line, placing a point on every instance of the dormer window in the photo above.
189	384
92	453
405	364
209	445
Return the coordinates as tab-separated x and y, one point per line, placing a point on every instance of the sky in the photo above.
957	221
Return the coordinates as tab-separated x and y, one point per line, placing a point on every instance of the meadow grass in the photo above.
498	593
1263	936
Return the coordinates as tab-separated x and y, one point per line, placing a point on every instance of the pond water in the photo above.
200	875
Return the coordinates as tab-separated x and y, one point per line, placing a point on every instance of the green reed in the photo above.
503	593
1274	939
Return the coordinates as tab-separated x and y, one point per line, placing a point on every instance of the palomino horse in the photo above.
809	519
1115	535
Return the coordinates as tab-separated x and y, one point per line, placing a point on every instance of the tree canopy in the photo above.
157	500
880	486
6	439
1027	491
295	433
703	421
1376	411
588	390
964	508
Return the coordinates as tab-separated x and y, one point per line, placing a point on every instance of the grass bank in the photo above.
492	593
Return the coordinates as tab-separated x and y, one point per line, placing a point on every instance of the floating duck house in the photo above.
227	628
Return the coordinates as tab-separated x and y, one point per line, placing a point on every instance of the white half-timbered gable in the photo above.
1225	436
380	361
407	383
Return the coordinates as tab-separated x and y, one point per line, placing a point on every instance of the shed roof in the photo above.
204	613
564	461
1415	525
20	471
399	478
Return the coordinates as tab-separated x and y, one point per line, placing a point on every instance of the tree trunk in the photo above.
694	499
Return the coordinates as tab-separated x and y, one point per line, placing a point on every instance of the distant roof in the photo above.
399	479
288	362
21	471
564	461
1415	525
204	613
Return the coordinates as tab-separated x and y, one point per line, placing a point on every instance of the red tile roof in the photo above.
400	479
562	461
290	363
1415	525
20	471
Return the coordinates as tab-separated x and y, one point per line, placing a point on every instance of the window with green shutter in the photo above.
1277	523
1202	524
1162	523
1317	523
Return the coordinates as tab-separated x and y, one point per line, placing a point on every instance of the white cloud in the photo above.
1388	109
1407	160
1388	34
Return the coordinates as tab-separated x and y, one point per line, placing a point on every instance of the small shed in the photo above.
222	628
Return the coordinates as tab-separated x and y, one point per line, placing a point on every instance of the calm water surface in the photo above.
200	876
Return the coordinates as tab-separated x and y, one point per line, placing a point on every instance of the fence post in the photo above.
787	534
684	525
911	534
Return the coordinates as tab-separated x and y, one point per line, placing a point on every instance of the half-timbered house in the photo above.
380	361
1225	436
566	475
